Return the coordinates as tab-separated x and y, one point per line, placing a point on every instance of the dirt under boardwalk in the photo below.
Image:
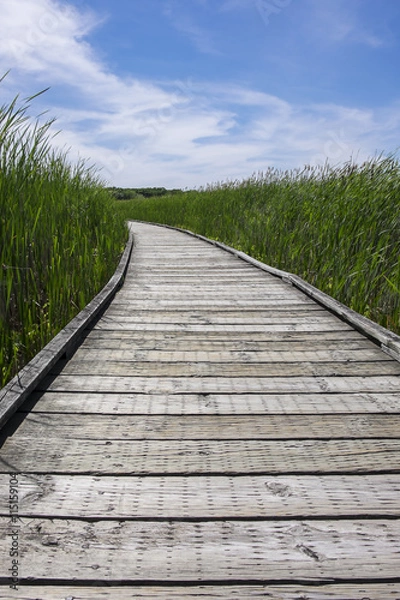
218	434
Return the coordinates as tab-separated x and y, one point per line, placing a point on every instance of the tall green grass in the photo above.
338	228
60	237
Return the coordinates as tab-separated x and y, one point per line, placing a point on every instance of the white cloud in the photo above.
177	133
43	34
342	22
199	37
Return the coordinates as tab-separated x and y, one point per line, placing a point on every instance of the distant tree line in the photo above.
132	193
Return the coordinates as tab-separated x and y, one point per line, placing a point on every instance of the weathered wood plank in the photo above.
197	276
260	287
342	591
213	404
226	269
228	337
322	325
285	427
224	385
135	354
165	303
200	279
147	293
206	551
115	368
264	315
233	347
240	351
301	318
158	457
227	293
203	497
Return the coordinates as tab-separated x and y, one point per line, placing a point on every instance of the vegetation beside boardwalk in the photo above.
61	238
338	228
62	232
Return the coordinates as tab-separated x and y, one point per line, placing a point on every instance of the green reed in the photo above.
338	228
60	237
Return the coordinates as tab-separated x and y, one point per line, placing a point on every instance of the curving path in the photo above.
217	434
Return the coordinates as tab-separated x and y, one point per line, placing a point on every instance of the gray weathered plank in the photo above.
133	354
108	323
211	314
341	591
206	551
204	497
242	426
165	303
224	385
214	403
198	456
115	368
340	338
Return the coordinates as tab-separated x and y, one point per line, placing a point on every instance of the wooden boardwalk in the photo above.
218	434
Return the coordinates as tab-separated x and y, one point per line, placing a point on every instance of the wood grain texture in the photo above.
344	591
274	326
239	403
219	356
115	368
207	427
204	497
338	338
218	434
330	384
212	551
232	344
155	457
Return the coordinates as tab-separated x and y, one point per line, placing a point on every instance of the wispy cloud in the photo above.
44	35
342	22
185	24
176	133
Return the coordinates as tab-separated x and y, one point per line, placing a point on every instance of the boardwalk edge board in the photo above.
387	340
28	378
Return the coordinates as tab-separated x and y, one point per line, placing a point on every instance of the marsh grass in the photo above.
338	228
60	237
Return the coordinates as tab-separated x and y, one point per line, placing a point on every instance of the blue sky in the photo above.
181	93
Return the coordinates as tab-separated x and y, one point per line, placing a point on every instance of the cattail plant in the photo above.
60	237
